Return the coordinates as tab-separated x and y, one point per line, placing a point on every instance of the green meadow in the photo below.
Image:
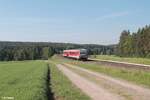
25	80
35	80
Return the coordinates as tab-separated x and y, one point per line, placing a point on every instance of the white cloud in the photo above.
113	15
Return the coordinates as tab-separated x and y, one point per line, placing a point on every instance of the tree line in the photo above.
17	51
135	44
25	53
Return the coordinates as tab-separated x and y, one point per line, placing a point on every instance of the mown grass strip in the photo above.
62	88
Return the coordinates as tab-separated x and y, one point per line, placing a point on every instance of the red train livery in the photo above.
76	53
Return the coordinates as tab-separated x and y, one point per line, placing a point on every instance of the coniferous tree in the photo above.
135	44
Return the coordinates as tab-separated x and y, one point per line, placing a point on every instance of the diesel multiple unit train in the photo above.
80	54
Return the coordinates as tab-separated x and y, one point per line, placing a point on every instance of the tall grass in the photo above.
24	80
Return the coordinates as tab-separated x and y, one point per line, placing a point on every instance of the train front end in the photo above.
83	54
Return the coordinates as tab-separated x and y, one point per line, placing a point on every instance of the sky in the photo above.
73	21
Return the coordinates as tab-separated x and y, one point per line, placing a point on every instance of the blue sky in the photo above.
75	21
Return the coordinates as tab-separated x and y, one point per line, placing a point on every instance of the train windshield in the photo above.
83	51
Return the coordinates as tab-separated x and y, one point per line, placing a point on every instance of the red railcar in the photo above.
76	53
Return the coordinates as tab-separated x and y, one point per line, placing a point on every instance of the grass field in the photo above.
124	59
24	80
135	76
34	80
63	88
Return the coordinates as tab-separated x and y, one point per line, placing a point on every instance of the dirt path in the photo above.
90	88
121	87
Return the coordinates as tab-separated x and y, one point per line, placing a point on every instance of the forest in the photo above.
18	51
135	44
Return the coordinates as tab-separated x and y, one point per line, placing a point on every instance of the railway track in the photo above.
121	64
115	64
